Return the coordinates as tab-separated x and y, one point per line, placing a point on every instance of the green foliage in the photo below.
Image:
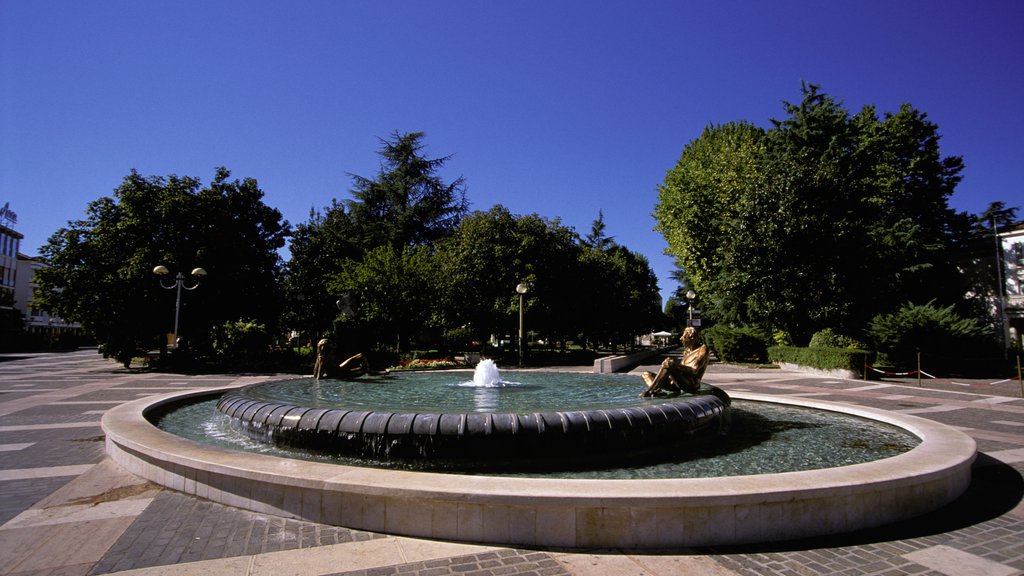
405	210
99	269
781	338
737	344
318	249
828	338
242	342
626	303
822	220
941	333
407	203
491	252
392	293
821	357
598	238
403	256
676	311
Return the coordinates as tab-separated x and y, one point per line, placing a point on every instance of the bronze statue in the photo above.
326	356
682	375
327	365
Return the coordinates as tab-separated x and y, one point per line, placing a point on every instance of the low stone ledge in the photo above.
827	373
610	364
512	511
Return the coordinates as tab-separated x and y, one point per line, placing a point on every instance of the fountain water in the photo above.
486	374
397	419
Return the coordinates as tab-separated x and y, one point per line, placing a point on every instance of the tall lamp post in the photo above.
690	295
521	289
179	283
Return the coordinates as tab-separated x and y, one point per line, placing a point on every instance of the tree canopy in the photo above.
407	203
823	220
100	268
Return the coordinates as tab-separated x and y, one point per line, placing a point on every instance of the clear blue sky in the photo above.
557	107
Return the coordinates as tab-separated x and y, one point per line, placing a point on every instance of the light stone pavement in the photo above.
65	509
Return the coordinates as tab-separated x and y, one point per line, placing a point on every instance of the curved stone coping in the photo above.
556	512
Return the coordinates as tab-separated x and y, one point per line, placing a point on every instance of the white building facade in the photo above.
1013	283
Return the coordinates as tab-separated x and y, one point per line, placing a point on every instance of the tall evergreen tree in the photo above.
407	203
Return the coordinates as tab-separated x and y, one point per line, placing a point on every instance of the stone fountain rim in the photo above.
843	498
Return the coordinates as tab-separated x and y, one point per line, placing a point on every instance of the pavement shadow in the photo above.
996	488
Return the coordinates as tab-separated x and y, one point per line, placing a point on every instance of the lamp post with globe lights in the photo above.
522	288
178	284
690	295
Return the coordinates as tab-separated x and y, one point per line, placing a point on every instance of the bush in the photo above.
737	344
242	341
828	338
822	358
944	336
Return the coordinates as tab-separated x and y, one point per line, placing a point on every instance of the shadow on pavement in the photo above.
996	488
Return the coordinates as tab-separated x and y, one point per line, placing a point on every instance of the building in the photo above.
1013	283
10	241
37	320
17	283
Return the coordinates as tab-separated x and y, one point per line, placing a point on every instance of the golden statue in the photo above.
679	375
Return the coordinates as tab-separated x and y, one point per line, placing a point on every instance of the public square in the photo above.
67	509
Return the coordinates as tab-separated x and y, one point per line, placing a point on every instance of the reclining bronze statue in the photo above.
327	365
679	375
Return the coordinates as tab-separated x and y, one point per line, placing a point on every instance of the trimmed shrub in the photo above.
737	344
822	358
828	338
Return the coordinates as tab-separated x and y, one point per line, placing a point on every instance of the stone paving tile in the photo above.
497	563
61	447
20	495
178	528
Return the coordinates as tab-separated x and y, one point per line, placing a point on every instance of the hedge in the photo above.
821	358
736	344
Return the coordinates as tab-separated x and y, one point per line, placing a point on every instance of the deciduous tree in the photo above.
100	267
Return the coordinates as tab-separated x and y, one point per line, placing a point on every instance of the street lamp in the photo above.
690	295
179	283
521	289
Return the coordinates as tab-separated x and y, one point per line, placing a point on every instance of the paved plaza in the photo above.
65	509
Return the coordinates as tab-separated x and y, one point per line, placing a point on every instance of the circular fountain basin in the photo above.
544	421
650	514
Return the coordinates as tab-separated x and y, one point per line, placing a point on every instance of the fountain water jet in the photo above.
486	374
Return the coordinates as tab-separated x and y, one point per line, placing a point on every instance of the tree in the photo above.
597	238
605	295
319	248
407	204
394	295
699	205
627	297
492	252
821	221
99	269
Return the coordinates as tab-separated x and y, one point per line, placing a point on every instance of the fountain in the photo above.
534	511
397	418
486	374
